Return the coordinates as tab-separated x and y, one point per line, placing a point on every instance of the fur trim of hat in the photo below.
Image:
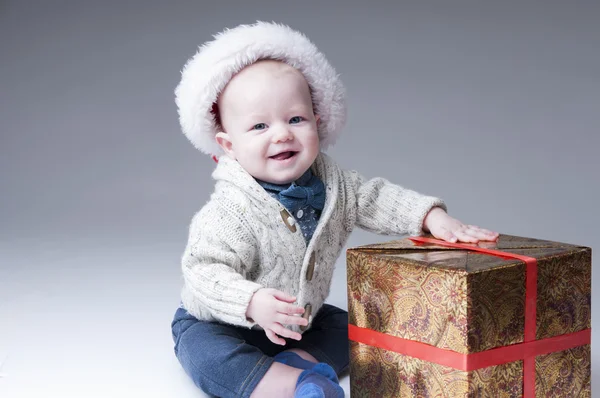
207	73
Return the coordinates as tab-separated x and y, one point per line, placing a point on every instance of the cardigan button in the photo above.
288	220
311	267
306	315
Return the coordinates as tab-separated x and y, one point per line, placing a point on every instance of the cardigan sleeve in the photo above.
217	257
389	209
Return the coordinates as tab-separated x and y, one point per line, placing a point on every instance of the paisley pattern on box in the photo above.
557	375
496	308
428	305
467	302
376	372
564	294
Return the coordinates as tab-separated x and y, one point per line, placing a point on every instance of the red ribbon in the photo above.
468	362
526	351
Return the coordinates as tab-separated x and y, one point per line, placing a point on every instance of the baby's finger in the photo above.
487	237
491	234
285	308
291	320
284	332
446	235
485	231
480	233
465	236
279	295
274	338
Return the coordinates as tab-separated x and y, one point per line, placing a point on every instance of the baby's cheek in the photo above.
313	143
257	153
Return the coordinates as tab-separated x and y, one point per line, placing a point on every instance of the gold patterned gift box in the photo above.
509	318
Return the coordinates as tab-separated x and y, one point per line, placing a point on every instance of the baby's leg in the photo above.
279	381
303	354
275	378
327	339
318	381
222	360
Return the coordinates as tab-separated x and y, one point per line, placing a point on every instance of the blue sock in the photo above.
312	384
292	359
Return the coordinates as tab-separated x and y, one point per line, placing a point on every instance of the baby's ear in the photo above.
317	119
224	142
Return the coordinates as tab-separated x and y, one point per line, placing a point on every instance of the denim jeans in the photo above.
229	361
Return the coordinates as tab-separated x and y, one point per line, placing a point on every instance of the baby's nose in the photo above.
282	134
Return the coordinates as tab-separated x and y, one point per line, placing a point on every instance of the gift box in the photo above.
510	318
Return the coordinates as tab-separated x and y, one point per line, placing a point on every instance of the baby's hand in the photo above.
271	309
442	226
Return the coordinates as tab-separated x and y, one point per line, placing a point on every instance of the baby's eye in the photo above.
259	126
296	119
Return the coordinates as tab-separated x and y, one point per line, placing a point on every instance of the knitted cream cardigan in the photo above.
243	239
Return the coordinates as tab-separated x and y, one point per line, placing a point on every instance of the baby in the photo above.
260	256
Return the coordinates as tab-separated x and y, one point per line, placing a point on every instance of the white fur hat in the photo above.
207	73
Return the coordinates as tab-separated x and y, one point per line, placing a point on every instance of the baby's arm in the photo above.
216	258
386	208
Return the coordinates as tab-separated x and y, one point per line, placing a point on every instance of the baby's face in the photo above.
270	128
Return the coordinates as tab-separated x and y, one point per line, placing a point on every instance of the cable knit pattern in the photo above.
239	243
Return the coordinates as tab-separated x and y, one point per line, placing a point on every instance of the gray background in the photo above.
491	105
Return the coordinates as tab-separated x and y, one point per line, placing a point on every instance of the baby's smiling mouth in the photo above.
284	155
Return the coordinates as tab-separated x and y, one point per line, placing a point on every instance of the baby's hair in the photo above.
216	115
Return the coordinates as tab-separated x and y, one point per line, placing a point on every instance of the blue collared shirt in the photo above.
306	217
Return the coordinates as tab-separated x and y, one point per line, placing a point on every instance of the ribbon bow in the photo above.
297	196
